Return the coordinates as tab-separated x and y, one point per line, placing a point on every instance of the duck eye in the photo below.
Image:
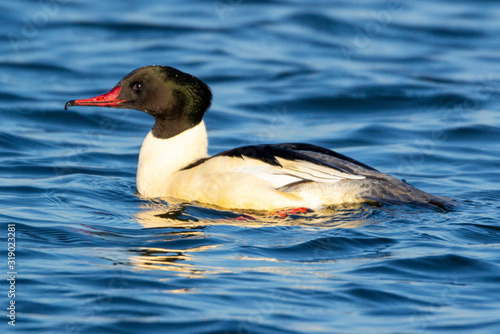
137	86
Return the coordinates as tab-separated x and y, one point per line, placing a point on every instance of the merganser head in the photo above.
177	100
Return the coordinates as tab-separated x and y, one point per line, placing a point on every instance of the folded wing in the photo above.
285	164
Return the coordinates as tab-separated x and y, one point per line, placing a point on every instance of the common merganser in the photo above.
173	160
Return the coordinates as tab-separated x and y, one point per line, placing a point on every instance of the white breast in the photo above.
160	158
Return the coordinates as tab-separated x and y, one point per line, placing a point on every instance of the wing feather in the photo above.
285	164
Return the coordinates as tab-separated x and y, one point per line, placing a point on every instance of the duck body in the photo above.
173	160
263	177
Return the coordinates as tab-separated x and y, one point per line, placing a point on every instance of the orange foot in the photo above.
285	212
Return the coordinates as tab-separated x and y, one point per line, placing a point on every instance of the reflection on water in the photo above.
175	214
181	221
169	259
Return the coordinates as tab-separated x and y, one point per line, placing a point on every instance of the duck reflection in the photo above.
159	214
188	227
169	259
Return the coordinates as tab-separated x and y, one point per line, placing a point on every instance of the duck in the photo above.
174	161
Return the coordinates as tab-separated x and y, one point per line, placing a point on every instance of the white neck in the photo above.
159	158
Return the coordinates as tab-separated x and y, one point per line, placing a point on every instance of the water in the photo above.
410	88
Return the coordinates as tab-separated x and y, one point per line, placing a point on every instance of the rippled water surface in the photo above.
408	87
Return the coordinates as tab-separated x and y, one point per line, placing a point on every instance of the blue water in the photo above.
408	87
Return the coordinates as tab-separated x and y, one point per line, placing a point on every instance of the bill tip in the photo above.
69	104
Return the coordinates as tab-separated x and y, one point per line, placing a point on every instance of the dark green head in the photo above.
177	100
